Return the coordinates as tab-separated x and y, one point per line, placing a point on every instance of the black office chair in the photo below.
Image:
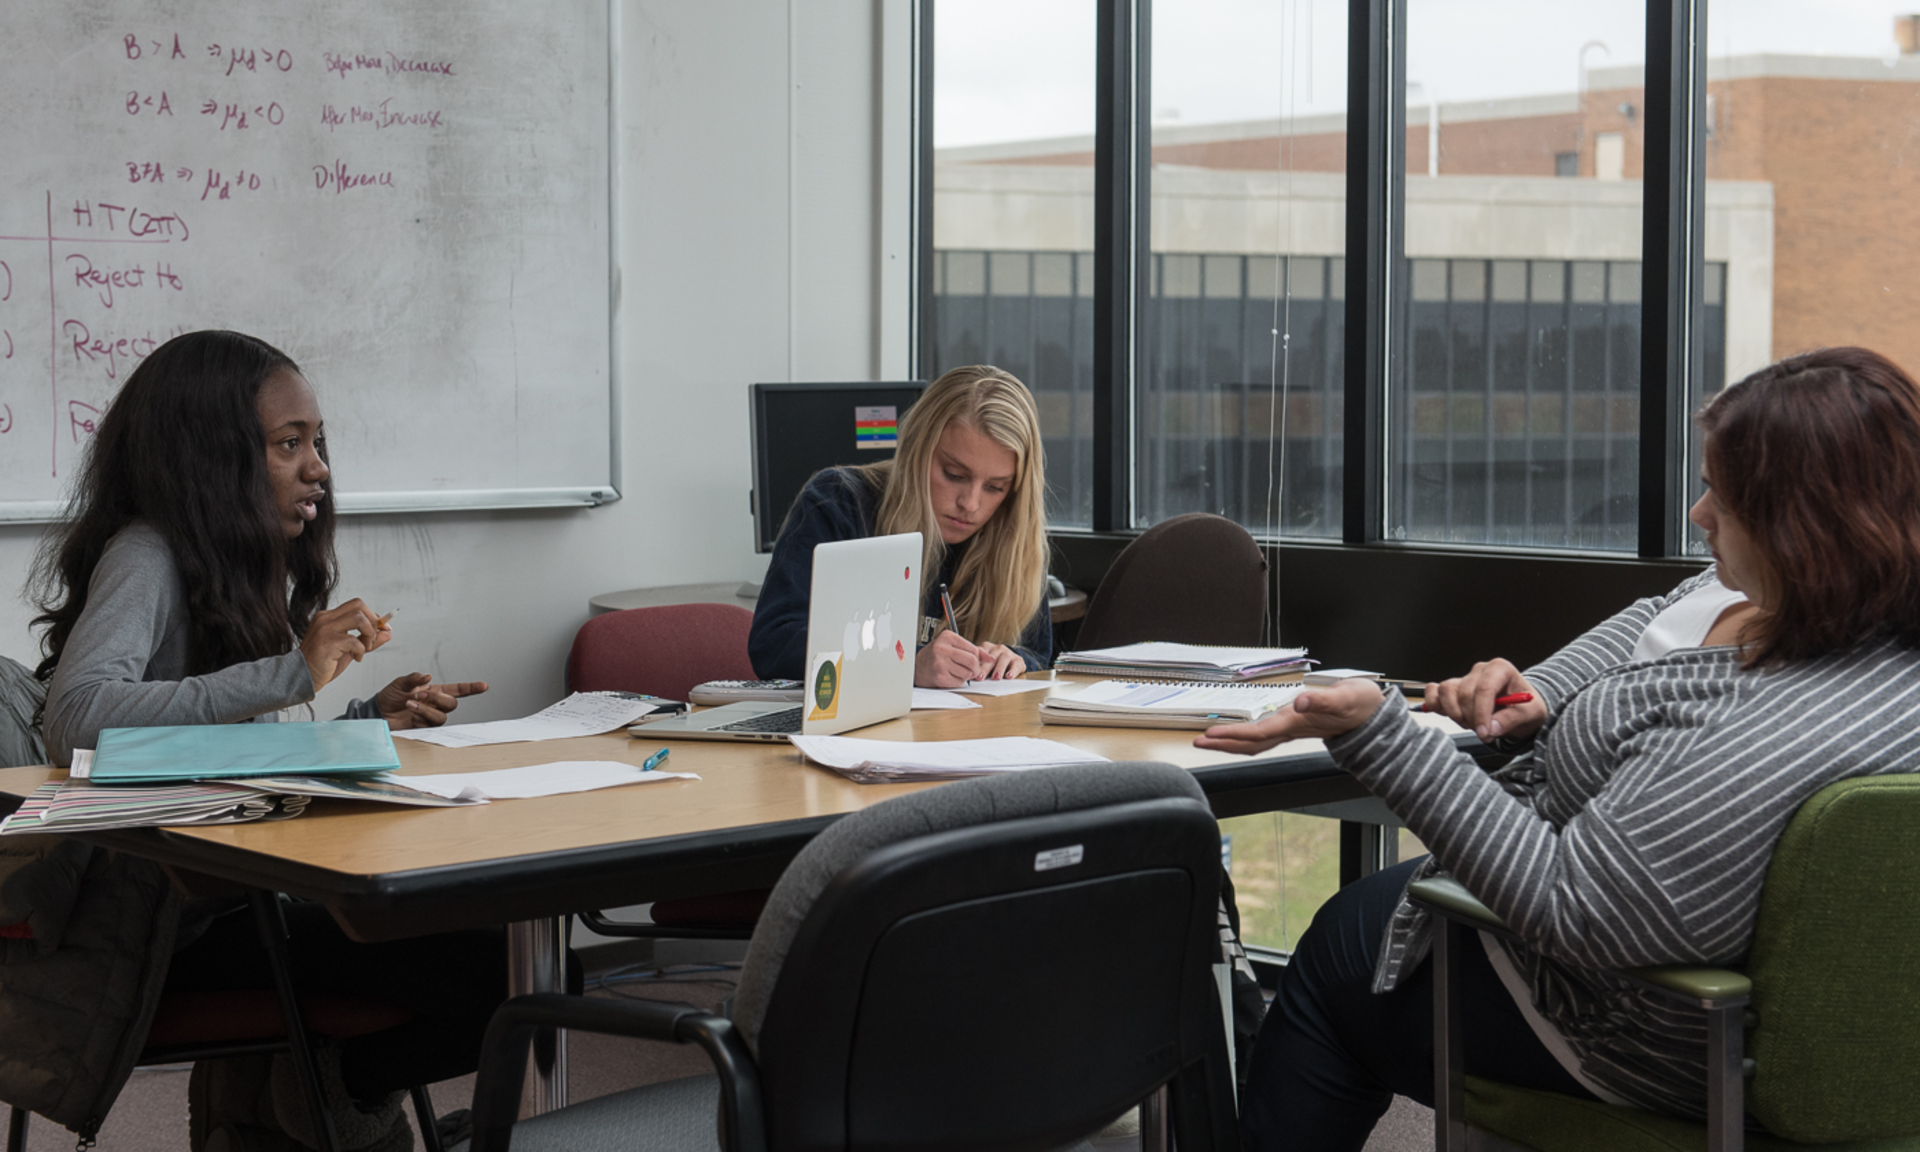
1009	962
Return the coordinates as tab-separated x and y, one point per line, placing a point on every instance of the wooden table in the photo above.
386	871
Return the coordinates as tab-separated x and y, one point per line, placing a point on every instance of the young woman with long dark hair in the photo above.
189	584
1662	754
189	580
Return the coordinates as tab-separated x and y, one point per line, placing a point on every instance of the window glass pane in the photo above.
1284	865
1809	187
1013	214
1238	402
1513	408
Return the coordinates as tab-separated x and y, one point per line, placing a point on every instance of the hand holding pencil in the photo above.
1493	700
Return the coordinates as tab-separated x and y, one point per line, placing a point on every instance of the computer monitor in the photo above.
799	429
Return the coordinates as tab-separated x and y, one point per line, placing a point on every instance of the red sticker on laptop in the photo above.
900	649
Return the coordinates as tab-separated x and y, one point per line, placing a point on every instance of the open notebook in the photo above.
1150	704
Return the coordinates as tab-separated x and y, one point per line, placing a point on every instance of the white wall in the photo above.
749	249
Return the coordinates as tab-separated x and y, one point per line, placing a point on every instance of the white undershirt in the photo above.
1681	624
1686	622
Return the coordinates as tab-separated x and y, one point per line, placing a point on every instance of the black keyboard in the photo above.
785	722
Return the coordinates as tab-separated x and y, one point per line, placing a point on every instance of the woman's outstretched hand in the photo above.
415	701
1320	713
339	636
1468	701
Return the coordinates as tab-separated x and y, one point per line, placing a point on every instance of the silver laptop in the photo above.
862	621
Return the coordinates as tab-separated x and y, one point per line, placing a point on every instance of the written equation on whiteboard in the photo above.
206	143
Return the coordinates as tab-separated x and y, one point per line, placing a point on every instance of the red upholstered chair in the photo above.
661	651
665	652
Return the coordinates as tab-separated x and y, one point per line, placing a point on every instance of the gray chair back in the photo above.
1005	962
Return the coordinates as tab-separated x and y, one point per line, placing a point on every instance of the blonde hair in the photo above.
1000	580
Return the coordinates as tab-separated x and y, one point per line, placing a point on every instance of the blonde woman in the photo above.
968	477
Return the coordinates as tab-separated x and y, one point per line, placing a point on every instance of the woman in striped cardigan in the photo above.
1662	755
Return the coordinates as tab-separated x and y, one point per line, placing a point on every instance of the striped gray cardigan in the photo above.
1640	827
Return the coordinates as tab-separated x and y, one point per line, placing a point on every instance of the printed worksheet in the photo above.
581	714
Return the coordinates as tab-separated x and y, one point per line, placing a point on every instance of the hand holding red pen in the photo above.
1498	701
1493	700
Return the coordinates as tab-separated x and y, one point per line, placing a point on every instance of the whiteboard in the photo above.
410	199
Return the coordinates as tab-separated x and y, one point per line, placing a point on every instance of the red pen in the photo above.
1499	701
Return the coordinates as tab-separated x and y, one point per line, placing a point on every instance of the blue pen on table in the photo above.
655	760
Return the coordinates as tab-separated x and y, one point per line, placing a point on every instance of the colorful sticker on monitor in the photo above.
876	427
823	686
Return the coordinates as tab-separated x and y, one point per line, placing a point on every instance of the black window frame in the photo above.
1672	352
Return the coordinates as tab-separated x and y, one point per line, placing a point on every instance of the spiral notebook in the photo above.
1166	704
1189	662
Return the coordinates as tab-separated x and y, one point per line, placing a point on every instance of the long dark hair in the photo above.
181	448
1818	457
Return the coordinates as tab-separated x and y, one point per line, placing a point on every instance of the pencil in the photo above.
946	602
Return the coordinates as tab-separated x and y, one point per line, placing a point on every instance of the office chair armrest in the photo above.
503	1059
1448	897
1709	987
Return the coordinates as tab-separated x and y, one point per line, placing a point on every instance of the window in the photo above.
1012	266
1804	103
1514	416
1151	210
1239	400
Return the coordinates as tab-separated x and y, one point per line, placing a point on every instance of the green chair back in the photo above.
1837	1045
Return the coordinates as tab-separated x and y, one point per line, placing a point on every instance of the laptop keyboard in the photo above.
784	722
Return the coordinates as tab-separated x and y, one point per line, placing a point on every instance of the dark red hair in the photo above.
1818	456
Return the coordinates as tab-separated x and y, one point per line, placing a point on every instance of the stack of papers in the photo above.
581	714
896	761
1166	660
1130	704
69	806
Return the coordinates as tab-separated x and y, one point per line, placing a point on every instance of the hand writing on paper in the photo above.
1468	701
415	701
1320	713
948	662
338	637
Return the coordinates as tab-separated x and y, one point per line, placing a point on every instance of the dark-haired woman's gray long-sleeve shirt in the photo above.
125	663
1640	828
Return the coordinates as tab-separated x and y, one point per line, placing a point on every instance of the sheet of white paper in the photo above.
1003	687
581	714
997	754
555	779
935	698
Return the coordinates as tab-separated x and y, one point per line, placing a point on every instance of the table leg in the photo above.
537	962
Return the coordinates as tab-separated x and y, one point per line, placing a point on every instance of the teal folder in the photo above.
236	751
